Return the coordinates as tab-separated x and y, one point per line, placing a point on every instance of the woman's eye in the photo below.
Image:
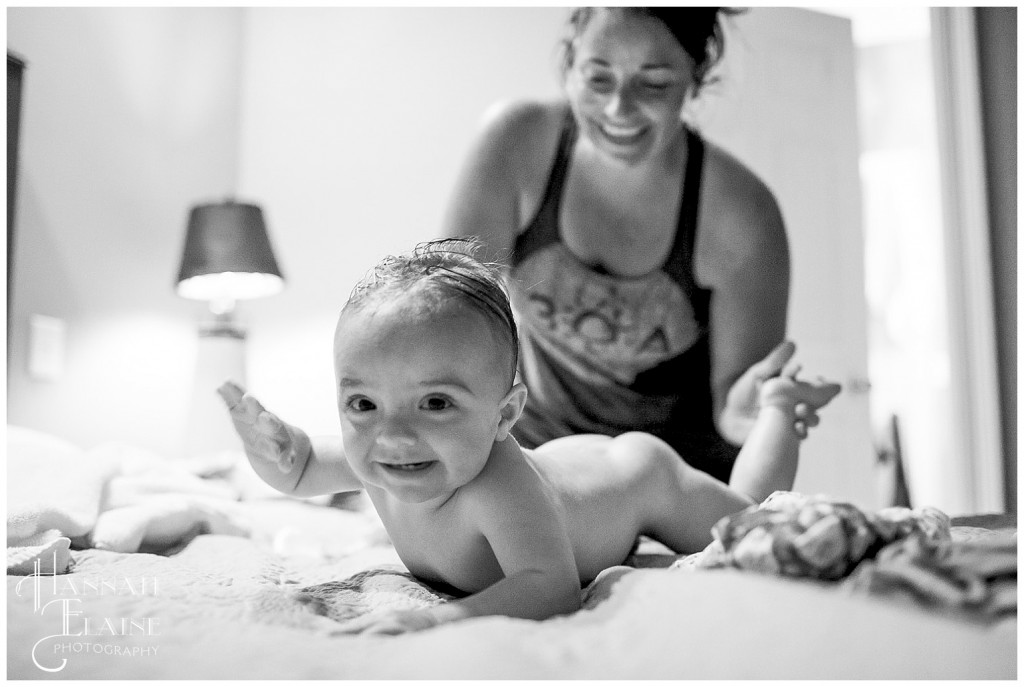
360	404
598	81
436	403
656	87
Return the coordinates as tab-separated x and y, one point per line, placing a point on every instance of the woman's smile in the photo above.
622	135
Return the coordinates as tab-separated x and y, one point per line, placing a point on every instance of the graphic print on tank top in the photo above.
602	327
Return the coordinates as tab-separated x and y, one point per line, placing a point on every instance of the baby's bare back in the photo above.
603	498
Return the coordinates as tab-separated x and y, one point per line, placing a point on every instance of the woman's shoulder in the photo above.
526	131
518	143
740	217
531	118
729	177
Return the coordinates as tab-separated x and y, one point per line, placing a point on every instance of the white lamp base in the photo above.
221	357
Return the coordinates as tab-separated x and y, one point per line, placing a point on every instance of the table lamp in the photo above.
227	258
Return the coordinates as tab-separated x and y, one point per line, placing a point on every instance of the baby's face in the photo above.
419	398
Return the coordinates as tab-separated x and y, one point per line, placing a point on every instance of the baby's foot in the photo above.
800	397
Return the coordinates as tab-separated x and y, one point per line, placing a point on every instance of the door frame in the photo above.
969	271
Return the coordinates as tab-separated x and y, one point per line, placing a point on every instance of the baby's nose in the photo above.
395	436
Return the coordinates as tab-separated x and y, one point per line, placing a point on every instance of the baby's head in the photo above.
425	356
441	276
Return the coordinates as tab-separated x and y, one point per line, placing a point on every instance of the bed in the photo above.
123	565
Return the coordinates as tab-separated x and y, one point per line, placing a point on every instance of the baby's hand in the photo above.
389	623
800	398
265	437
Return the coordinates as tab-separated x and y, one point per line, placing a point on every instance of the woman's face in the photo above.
627	84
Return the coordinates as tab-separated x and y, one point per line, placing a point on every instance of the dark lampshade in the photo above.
227	254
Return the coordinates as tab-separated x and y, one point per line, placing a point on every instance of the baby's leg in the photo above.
678	504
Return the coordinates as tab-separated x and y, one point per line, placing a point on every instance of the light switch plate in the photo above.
47	337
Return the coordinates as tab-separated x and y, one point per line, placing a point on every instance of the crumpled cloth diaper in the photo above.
893	552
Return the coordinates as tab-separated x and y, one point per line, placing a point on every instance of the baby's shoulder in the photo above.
506	473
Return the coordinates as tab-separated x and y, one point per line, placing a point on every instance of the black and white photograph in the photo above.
518	342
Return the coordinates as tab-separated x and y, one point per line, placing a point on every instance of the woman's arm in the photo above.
502	178
743	256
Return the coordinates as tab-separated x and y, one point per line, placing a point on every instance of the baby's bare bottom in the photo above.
616	489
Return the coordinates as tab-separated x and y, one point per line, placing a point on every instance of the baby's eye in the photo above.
360	404
436	403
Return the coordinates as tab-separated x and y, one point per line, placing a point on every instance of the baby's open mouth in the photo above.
408	467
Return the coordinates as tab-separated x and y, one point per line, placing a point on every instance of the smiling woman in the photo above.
648	268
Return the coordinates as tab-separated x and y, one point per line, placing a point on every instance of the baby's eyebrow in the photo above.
445	381
349	381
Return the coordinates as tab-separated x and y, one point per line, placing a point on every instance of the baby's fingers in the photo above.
232	393
806	414
351	627
243	407
370	624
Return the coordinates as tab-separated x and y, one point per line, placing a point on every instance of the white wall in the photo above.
349	131
355	122
130	115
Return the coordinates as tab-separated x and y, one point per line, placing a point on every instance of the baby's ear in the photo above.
511	408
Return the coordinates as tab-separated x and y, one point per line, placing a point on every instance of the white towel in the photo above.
114	497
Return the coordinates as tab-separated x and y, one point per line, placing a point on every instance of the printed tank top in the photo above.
607	354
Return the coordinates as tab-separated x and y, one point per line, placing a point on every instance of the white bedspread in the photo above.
233	607
259	588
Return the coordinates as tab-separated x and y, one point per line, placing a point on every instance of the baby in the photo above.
425	361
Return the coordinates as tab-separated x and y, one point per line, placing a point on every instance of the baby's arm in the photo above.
526	531
531	543
769	457
284	456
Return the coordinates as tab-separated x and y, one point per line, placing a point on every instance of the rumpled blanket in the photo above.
893	551
977	576
115	497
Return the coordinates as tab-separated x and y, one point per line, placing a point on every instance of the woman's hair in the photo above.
438	273
697	29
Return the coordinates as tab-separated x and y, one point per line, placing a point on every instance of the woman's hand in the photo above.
743	402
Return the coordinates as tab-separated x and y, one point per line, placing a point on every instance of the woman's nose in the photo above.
620	102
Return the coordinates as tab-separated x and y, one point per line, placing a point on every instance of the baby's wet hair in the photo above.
435	273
